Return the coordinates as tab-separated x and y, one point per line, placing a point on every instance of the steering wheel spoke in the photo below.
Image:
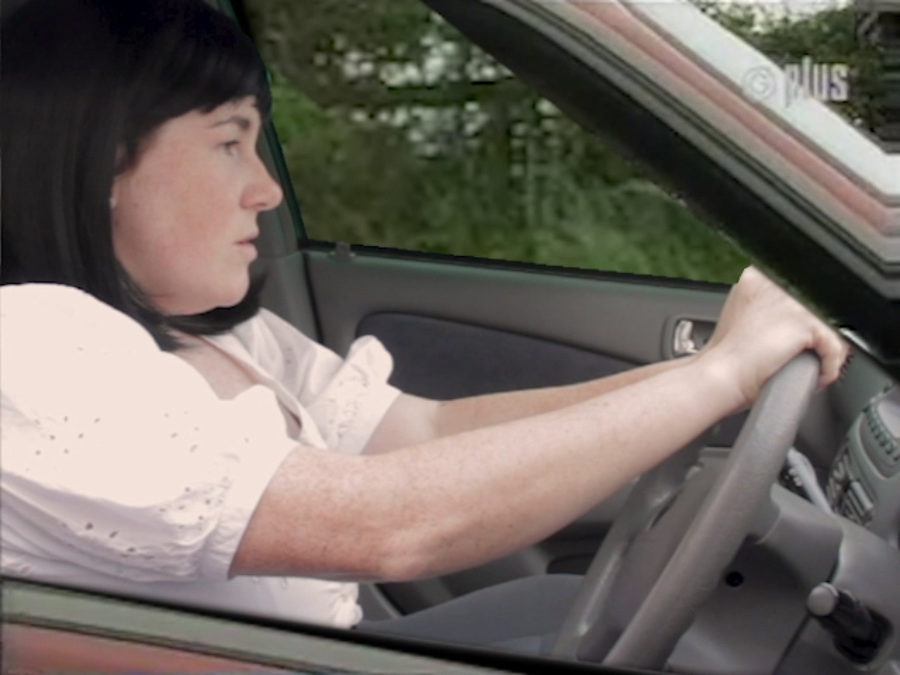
632	611
649	496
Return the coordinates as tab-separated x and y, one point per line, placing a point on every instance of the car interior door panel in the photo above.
625	319
456	330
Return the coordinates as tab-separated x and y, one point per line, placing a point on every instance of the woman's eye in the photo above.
230	146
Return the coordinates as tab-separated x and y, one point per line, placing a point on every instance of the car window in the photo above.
399	132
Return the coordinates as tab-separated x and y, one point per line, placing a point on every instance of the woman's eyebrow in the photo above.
242	122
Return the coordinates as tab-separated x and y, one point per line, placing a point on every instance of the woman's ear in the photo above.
114	194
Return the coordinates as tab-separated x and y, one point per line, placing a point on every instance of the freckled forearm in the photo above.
515	483
460	500
464	414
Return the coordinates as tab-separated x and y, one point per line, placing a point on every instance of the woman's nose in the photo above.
264	193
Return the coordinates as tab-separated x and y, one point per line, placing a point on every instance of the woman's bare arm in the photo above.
413	419
455	501
460	500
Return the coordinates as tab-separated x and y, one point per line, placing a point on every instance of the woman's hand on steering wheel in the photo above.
760	329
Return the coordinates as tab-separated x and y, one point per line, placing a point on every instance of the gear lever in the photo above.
857	632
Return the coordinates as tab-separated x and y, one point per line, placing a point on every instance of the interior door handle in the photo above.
690	335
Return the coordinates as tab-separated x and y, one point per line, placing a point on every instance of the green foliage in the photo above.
400	133
467	205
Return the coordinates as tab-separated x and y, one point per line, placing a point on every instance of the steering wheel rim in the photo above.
719	520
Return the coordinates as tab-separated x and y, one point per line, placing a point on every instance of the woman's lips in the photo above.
249	246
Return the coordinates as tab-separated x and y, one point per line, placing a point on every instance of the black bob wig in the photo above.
84	83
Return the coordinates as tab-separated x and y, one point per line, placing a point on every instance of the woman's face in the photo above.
184	216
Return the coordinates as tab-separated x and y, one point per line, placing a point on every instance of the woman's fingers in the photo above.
828	345
825	341
765	327
833	352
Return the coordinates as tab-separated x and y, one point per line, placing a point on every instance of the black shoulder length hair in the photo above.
83	83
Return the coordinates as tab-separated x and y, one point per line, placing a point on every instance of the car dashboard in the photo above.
863	484
836	536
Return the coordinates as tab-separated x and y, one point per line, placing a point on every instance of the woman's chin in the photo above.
235	297
194	307
231	295
238	295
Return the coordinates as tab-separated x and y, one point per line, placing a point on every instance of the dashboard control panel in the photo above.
880	429
846	493
863	484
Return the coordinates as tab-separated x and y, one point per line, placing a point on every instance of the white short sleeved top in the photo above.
122	471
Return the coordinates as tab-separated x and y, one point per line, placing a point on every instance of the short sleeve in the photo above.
346	397
118	457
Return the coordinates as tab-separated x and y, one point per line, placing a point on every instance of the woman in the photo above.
163	437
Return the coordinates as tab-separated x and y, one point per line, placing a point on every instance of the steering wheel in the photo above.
666	551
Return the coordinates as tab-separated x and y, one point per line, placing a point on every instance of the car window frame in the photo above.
872	163
272	643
